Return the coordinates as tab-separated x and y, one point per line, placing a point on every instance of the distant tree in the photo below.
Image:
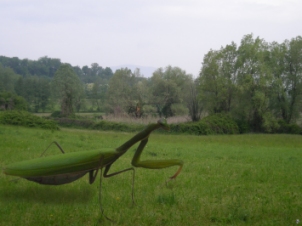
44	66
10	101
98	93
7	79
168	87
293	78
217	81
258	82
193	101
36	91
254	81
107	73
122	92
68	89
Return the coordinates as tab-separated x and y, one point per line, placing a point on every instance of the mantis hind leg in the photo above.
56	143
92	176
119	172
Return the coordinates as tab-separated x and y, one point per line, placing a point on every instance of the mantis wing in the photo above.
60	168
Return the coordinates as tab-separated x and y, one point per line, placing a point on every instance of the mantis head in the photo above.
163	123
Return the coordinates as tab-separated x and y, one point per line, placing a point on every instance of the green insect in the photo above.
66	168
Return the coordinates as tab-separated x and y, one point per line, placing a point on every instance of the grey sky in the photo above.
146	33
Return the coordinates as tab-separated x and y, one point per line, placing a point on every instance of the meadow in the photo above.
251	179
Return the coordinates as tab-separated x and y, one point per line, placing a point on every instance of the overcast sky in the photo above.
154	33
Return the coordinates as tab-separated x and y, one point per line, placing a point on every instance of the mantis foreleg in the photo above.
154	164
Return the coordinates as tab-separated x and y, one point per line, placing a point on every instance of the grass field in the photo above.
250	179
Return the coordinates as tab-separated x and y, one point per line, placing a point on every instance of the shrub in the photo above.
289	128
243	126
76	123
269	124
24	118
213	124
9	101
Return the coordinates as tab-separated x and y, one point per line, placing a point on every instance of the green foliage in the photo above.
213	124
7	79
68	89
23	118
269	124
243	126
9	101
75	123
93	73
168	86
288	128
36	90
149	110
179	110
120	92
44	66
256	82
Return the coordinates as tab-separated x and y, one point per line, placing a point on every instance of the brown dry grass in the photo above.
128	119
145	120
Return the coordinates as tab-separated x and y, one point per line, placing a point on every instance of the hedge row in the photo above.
214	124
24	118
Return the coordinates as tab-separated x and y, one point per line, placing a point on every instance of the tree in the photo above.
217	80
98	93
44	66
7	79
122	94
280	100
9	101
168	87
68	89
254	84
193	102
293	80
36	91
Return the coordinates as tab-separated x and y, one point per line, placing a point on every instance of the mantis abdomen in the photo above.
57	179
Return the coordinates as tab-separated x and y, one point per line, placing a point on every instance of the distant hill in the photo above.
146	71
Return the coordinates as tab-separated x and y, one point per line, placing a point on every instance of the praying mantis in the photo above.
66	168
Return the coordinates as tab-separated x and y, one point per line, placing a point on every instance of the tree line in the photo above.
259	84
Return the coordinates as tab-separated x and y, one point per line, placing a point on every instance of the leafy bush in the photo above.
288	128
76	123
270	123
213	124
24	118
9	101
243	125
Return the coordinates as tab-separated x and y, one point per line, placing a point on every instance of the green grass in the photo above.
250	179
